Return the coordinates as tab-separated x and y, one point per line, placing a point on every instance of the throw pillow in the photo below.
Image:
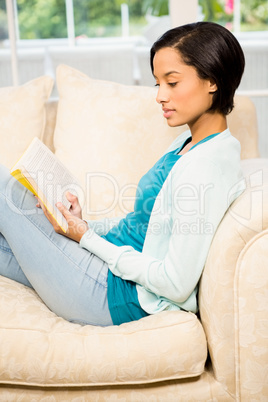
22	117
109	135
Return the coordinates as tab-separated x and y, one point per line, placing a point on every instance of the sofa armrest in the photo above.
229	303
251	319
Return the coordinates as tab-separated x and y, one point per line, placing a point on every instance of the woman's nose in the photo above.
162	95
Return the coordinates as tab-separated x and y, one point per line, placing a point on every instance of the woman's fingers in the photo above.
51	219
76	226
75	208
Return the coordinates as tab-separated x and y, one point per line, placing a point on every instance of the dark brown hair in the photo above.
214	52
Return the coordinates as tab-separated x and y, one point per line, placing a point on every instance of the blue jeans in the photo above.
71	281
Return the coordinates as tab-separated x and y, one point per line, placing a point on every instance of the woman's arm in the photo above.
199	201
102	226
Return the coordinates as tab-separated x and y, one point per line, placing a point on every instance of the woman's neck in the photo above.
210	123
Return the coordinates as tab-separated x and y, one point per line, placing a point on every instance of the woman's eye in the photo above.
171	84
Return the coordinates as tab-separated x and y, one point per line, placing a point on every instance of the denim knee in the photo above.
14	194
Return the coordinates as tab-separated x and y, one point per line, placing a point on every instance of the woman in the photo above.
152	259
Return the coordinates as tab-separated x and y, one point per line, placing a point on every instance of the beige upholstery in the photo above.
114	154
172	356
235	283
82	356
22	117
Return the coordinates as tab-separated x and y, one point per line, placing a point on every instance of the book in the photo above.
41	172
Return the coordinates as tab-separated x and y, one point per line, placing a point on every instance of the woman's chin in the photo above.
173	123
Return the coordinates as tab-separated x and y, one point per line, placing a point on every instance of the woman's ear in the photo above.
212	86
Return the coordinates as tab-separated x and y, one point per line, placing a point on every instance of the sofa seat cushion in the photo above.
40	349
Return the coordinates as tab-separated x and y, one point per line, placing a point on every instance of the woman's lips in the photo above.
168	112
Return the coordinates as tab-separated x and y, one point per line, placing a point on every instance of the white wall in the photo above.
183	12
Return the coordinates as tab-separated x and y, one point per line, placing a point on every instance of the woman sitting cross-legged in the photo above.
152	259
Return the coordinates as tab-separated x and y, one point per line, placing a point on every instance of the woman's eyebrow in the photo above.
172	72
169	73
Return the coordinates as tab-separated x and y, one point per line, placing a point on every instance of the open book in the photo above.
45	176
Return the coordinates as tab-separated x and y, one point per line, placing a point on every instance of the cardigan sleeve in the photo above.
199	199
102	226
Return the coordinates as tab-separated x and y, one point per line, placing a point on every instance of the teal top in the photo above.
123	300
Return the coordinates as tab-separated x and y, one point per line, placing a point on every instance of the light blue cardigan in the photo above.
187	211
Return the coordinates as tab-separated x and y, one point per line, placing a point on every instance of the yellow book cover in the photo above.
42	173
22	179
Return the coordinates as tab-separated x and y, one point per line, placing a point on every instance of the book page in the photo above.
48	176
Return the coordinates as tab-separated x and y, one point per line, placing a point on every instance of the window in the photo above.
237	15
3	21
46	19
47	28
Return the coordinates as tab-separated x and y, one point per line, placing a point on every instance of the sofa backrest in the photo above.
120	149
242	122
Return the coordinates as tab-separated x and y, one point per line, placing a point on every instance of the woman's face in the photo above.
185	98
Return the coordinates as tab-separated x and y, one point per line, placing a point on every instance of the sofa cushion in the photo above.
243	125
22	117
113	132
40	349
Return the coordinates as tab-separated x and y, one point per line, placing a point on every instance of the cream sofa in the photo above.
108	135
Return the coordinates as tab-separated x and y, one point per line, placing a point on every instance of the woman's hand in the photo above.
76	226
75	207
